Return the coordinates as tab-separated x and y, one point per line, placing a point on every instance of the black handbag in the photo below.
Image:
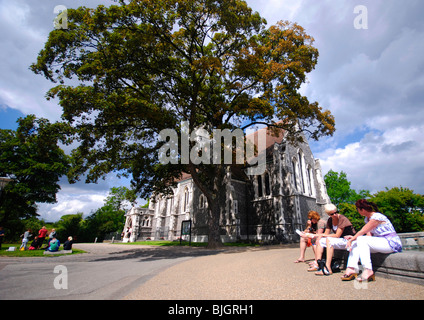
335	266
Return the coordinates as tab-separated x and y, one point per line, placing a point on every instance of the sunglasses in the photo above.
333	213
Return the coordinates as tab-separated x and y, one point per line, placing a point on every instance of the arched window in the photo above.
295	171
202	201
311	181
267	184
260	193
301	169
186	199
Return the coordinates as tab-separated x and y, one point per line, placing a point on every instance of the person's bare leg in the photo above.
302	250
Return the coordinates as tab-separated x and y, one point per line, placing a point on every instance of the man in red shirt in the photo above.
42	233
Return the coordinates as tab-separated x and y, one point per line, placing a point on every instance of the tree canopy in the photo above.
32	158
402	206
144	66
339	190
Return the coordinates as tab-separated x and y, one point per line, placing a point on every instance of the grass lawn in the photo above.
29	253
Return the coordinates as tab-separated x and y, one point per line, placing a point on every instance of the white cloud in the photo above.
72	204
390	159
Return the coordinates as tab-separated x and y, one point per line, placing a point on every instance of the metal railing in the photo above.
270	233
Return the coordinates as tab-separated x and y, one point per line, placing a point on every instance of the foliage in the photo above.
403	207
70	225
32	158
144	66
119	196
349	211
103	221
110	217
338	188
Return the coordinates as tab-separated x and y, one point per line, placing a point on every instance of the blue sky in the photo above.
8	118
371	79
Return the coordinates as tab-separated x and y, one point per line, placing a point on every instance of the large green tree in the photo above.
339	190
143	66
403	207
110	217
31	156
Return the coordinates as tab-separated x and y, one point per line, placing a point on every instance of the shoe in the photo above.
313	268
369	279
323	272
349	277
300	233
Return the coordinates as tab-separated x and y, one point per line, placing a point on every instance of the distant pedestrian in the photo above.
25	237
53	245
68	244
1	236
34	245
42	235
52	235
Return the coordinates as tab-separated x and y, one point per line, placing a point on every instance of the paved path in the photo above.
113	271
266	273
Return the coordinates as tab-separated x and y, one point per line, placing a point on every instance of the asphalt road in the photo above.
107	272
110	272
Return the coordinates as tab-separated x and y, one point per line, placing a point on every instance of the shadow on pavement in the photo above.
158	253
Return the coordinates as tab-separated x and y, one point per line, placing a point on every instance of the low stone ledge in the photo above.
405	266
58	252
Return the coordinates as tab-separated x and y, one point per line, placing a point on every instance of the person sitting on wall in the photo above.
378	235
338	226
315	225
68	244
54	245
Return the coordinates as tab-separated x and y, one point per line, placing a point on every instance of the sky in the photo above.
369	75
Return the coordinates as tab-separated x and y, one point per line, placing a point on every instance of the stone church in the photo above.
265	208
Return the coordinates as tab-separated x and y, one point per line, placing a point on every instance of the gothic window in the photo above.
301	170
202	201
311	181
230	209
260	194
267	184
294	164
309	171
186	199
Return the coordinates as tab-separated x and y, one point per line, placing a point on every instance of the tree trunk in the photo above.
217	205
214	237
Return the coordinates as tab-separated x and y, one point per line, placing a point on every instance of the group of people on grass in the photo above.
52	245
377	235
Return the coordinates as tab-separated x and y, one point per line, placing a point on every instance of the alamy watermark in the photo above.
361	20
61	281
61	19
208	147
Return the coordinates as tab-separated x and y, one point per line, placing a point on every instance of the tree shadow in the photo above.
163	252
